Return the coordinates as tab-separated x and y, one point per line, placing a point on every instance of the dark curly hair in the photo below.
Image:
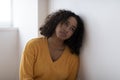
52	20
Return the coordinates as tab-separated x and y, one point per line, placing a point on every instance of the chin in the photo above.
64	39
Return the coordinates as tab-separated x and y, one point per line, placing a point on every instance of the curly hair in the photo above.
51	22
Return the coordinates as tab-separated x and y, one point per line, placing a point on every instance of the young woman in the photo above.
56	55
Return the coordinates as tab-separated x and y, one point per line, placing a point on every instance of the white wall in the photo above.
42	12
100	54
8	54
25	18
12	41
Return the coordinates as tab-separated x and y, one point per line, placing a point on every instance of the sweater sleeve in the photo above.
74	70
27	62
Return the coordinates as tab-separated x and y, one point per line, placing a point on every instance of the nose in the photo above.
67	27
66	30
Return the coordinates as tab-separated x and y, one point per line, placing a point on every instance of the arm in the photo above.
74	70
26	64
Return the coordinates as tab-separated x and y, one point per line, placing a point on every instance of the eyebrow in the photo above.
72	25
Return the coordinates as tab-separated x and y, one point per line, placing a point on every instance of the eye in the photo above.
72	29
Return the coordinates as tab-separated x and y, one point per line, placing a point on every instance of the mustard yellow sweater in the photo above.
36	63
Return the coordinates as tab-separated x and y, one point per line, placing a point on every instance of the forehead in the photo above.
72	21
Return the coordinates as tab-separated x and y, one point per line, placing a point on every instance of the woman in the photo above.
56	55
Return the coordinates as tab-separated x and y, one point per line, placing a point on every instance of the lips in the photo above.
63	34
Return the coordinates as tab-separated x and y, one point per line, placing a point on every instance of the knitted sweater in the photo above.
36	63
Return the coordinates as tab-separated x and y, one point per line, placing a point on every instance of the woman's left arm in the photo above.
74	70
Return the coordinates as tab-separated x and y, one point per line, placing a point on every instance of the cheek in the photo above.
70	34
57	29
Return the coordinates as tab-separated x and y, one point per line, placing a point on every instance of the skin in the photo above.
66	30
62	32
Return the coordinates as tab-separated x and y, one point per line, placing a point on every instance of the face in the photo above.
66	29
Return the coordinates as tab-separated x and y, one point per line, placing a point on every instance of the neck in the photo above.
55	42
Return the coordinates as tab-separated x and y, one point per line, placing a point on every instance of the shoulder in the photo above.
73	57
36	40
34	45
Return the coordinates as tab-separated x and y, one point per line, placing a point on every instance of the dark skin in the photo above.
56	48
56	41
